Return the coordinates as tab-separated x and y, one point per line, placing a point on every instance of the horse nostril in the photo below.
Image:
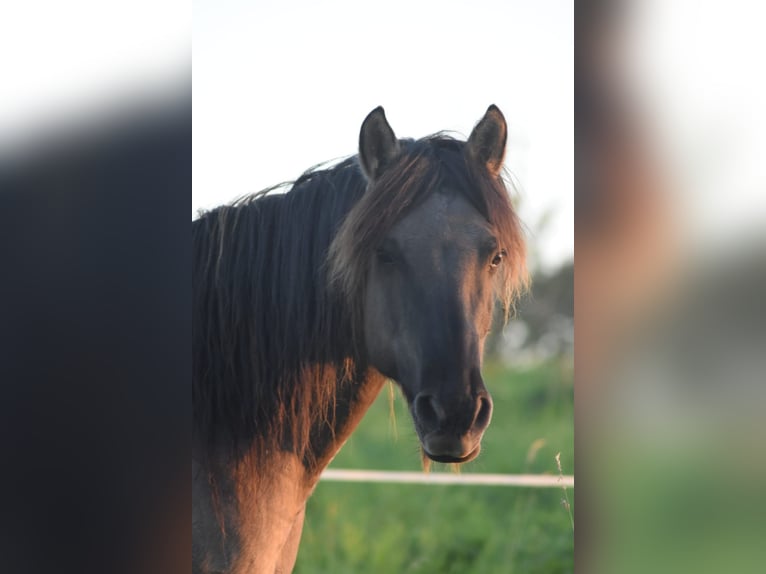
483	413
429	411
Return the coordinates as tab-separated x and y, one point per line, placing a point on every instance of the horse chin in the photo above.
453	459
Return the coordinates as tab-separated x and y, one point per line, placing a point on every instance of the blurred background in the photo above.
95	329
670	229
282	86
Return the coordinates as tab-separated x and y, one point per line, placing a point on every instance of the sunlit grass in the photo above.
452	528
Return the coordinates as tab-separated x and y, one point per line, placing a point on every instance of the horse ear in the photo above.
486	144
378	145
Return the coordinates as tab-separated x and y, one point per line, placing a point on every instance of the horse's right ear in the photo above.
378	145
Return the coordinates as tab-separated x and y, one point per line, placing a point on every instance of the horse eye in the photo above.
384	256
497	260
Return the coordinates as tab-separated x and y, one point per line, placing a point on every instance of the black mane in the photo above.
262	315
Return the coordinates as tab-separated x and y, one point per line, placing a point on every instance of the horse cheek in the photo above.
381	326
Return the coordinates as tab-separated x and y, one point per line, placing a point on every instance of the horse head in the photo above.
432	244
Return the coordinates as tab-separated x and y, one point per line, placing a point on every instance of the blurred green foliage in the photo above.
380	528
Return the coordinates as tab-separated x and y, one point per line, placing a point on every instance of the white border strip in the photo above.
529	480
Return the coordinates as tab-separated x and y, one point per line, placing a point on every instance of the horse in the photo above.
384	266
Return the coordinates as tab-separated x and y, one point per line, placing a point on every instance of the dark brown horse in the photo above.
387	265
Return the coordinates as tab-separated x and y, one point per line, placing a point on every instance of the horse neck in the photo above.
352	402
248	520
245	521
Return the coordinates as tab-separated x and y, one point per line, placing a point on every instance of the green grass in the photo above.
381	528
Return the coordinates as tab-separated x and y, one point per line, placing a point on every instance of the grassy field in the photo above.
382	528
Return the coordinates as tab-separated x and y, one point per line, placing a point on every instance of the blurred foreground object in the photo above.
94	343
95	183
671	273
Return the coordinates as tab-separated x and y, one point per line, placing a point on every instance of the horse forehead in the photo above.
445	217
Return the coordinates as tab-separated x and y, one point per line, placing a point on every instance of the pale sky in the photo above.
282	86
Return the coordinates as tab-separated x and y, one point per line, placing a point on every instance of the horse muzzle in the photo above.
451	436
441	447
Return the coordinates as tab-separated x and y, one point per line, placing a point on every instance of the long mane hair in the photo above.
278	280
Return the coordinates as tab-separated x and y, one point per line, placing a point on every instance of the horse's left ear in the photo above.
378	145
486	144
